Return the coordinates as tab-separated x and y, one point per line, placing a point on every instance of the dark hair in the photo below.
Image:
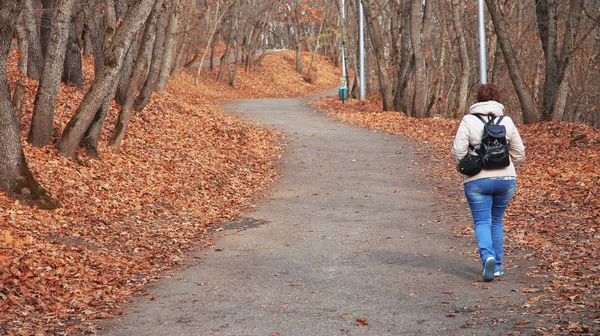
487	92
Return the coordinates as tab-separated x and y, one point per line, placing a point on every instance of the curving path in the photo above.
346	234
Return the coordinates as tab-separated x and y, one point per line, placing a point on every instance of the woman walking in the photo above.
489	192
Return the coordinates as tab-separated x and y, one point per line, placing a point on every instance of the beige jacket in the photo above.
471	130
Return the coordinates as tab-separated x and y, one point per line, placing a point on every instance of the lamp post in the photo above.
361	46
482	46
343	89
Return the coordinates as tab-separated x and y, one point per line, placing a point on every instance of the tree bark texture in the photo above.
298	35
42	121
557	65
113	56
72	67
419	107
170	43
218	19
16	180
465	68
19	93
141	66
528	107
401	96
376	36
224	60
91	13
35	59
48	7
157	53
125	73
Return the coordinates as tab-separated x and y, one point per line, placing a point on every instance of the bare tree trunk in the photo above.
125	74
48	8
556	65
40	131
560	101
35	59
530	113
90	11
72	66
88	49
537	80
433	104
312	59
210	42
212	54
91	137
179	57
376	35
157	53
16	179
497	61
113	60
419	107
19	94
297	31
141	65
167	60
401	97
235	65
465	68
224	61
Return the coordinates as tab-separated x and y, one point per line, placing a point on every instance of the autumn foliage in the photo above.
129	218
555	215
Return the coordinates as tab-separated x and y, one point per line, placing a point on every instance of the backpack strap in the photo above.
483	120
491	121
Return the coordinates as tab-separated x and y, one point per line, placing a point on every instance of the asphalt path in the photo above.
350	240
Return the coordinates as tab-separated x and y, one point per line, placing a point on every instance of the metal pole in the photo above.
343	40
482	46
361	46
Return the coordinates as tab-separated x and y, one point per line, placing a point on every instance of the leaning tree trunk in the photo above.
317	44
42	121
141	64
218	19
113	60
528	107
157	53
16	179
170	41
125	74
35	59
91	137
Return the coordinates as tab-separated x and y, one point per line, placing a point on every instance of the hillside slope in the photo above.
127	219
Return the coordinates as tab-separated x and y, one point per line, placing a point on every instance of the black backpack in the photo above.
494	147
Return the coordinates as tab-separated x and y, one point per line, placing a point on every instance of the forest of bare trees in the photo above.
421	59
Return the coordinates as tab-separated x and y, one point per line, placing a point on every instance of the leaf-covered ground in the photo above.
554	217
128	219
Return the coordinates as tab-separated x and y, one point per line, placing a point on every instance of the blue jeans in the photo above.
488	198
